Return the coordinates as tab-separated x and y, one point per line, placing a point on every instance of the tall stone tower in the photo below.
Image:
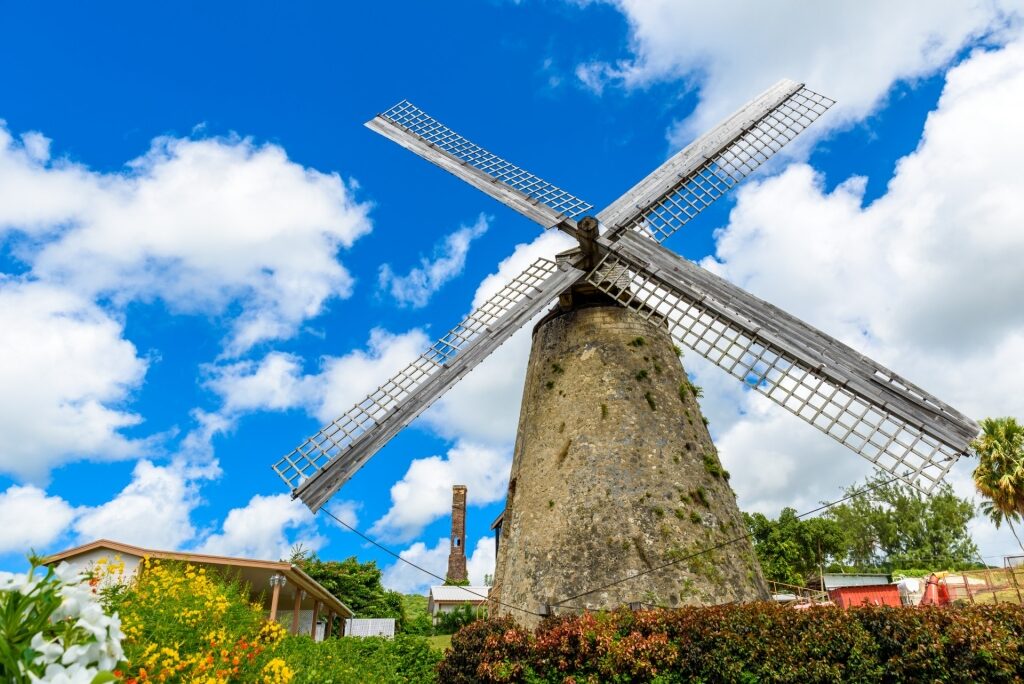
613	474
457	555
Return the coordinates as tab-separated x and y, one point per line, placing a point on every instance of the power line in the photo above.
421	569
691	556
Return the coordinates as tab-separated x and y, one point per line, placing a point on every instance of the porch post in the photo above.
275	594
295	611
330	622
316	614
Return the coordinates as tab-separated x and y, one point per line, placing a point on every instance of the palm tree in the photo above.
1000	472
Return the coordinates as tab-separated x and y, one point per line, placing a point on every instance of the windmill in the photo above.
621	281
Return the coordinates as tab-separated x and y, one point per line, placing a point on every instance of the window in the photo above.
458	542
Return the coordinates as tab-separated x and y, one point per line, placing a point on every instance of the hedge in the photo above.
747	643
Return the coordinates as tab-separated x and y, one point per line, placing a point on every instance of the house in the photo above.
446	598
288	594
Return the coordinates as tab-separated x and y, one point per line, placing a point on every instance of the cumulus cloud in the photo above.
154	510
277	382
416	287
268	527
201	224
852	52
68	373
403	577
29	519
925	279
424	493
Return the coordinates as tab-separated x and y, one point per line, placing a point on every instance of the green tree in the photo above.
356	584
791	550
417	619
894	525
1000	472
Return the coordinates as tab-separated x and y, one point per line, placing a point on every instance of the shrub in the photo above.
405	658
183	623
52	626
758	642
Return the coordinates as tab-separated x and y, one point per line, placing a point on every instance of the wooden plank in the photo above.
835	360
684	162
520	202
316	490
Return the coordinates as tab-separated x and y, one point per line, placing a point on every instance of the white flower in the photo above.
73	674
49	651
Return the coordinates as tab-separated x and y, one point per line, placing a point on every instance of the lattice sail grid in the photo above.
727	167
853	420
419	123
335	438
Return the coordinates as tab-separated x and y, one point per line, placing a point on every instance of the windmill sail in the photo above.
692	179
318	467
863	405
539	200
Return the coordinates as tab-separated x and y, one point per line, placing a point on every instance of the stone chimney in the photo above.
457	555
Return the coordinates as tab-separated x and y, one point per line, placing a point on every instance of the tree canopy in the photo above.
890	526
999	475
357	584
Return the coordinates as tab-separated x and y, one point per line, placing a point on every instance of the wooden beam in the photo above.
330	623
316	614
275	595
295	611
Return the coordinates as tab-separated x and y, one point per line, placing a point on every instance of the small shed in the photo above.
370	627
446	598
867	595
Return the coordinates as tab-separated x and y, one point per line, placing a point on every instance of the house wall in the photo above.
88	561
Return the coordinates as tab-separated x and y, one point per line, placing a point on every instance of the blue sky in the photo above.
194	223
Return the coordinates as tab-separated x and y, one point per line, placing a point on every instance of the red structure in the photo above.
870	595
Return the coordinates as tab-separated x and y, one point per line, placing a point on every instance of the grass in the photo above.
638	342
440	642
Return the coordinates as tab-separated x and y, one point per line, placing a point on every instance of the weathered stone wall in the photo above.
614	473
457	554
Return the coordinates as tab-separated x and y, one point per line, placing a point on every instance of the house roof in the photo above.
257	568
839	580
448	593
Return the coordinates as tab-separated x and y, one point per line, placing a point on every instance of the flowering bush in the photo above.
748	643
52	628
183	624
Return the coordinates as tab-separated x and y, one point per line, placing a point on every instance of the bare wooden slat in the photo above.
322	464
703	171
854	399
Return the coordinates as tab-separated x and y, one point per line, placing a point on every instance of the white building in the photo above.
445	598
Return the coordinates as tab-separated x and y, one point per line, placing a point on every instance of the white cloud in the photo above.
424	493
266	528
153	511
416	287
202	224
926	279
67	372
347	512
851	51
403	577
481	562
277	382
29	519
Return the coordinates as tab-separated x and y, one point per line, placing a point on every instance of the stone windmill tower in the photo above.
616	494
